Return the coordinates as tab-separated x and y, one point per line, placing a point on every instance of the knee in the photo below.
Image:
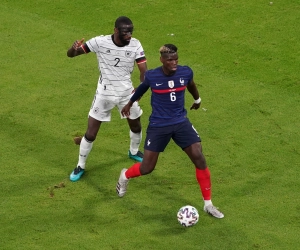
200	161
90	136
136	128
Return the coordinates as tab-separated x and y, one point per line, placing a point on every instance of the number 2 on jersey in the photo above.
118	60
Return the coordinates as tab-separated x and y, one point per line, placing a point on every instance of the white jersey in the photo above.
115	64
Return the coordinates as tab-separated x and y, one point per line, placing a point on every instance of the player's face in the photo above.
170	62
125	34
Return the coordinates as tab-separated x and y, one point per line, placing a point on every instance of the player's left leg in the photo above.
135	134
135	126
203	177
189	140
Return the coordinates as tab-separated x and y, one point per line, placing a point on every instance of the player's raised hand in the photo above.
76	48
77	43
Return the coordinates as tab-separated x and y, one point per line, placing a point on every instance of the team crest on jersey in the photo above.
96	110
181	81
171	84
128	53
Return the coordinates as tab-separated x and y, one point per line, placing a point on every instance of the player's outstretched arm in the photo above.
136	96
76	49
126	109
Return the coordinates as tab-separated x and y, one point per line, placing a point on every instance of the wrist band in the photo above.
198	100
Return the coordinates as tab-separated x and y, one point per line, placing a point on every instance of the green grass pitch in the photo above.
245	56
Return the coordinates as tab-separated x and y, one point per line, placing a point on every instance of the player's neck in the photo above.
167	72
116	41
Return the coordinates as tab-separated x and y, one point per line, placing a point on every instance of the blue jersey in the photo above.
167	99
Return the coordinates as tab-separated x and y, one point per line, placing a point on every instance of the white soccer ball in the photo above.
188	216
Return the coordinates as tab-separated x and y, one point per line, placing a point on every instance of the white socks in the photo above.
135	141
85	149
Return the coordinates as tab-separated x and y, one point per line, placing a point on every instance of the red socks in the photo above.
203	178
133	171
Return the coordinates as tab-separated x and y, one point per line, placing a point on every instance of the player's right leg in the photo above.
99	112
145	167
85	148
156	141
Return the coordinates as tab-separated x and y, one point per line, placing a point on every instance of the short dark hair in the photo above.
121	21
168	48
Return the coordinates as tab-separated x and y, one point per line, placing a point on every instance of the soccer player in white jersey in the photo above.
117	55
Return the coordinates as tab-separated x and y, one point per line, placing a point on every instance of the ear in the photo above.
161	59
116	30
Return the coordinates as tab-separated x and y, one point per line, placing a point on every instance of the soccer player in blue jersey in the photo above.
117	55
169	120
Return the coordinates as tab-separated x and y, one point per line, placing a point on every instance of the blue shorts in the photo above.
183	134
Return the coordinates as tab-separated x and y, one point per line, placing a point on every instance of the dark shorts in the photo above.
183	134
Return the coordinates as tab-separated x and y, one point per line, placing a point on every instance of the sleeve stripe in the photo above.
141	60
85	48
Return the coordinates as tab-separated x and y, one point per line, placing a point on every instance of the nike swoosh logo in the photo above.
158	84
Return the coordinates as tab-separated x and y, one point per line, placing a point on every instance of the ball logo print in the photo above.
188	216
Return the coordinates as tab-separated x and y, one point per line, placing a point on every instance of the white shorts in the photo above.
102	106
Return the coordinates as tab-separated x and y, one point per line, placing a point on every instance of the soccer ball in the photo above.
188	216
